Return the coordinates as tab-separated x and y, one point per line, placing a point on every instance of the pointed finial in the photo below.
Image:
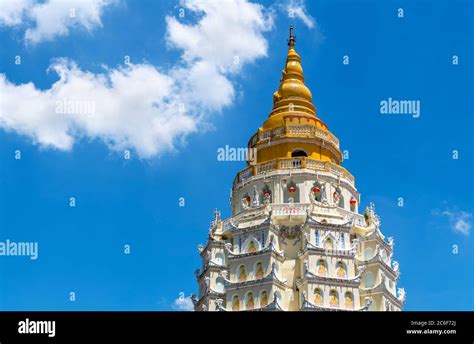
292	40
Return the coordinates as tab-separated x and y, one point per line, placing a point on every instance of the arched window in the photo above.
240	244
322	268
316	191
291	192
219	258
298	153
369	279
318	296
262	239
341	269
342	241
338	197
266	194
353	203
368	253
341	201
220	285
258	270
263	299
349	300
242	274
235	303
316	233
333	298
250	303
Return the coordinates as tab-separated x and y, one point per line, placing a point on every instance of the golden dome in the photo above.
293	135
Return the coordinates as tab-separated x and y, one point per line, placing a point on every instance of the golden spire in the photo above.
292	40
292	129
292	94
292	81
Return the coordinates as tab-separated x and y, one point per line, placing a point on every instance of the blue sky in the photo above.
136	202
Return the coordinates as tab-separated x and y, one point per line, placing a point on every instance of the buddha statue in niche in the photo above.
340	271
264	300
242	274
318	298
259	272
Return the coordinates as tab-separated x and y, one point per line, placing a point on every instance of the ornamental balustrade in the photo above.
287	209
293	163
294	130
309	306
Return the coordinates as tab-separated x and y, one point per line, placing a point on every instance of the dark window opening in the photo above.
298	152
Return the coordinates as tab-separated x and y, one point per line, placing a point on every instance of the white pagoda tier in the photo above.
295	240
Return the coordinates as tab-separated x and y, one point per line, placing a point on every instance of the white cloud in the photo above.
229	32
45	21
297	9
183	303
140	106
462	226
12	11
460	221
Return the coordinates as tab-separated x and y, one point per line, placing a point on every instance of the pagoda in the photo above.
296	240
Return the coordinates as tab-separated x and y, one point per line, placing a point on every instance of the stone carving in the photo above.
245	202
219	303
228	246
391	241
368	301
336	196
255	197
200	248
197	273
290	232
395	266
355	242
271	239
193	299
361	269
305	265
401	295
324	197
371	216
217	216
382	277
307	237
266	198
